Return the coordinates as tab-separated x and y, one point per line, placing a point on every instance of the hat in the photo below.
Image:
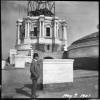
35	55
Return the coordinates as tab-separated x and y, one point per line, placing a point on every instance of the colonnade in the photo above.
62	34
27	30
63	31
18	32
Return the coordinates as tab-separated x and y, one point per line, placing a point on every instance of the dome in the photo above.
87	46
91	37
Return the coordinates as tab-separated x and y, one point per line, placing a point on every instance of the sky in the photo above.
82	18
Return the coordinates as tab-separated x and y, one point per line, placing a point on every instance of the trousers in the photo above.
34	87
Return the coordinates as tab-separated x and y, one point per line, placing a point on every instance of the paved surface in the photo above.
17	83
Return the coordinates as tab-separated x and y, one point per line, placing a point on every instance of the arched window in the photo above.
35	31
48	58
48	47
47	31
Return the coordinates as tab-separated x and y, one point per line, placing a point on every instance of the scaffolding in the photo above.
37	7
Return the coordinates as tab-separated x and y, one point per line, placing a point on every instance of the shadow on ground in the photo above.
22	92
29	86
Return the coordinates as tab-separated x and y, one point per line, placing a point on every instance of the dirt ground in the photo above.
17	84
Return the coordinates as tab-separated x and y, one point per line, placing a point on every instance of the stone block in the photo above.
20	61
57	71
12	54
3	64
19	64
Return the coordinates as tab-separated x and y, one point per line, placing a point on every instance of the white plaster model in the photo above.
3	64
57	71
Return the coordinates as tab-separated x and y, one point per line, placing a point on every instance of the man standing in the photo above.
35	73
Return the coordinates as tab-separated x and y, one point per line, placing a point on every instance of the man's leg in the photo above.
34	87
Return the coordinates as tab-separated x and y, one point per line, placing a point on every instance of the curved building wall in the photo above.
86	47
84	51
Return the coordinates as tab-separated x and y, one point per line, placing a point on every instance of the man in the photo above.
35	73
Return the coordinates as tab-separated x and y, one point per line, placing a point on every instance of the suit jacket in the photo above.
35	70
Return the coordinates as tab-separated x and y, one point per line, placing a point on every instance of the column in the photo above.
26	29
55	29
18	32
65	32
65	36
62	32
43	28
40	29
59	32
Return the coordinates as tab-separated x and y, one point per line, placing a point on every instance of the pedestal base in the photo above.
57	87
56	74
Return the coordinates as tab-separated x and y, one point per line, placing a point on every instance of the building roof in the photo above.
89	40
91	37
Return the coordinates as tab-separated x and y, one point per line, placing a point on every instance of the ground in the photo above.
17	83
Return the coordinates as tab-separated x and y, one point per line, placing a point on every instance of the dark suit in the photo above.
35	74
